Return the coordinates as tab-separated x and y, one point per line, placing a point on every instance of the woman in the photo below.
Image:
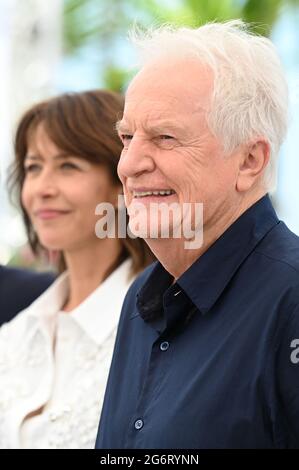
55	355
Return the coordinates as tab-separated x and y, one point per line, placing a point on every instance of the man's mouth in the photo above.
158	193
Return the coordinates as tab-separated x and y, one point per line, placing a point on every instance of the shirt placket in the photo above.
160	358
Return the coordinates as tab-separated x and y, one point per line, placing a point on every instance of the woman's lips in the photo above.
48	214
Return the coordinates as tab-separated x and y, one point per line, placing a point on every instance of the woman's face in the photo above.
60	194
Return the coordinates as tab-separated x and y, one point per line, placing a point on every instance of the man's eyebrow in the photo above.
163	126
121	126
160	127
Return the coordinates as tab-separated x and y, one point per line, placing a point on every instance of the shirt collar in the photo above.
43	311
98	315
208	276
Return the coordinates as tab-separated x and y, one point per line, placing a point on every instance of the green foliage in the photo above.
262	13
116	78
86	21
101	21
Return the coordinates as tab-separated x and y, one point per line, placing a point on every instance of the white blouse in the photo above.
54	366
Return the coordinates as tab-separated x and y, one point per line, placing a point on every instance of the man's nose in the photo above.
136	159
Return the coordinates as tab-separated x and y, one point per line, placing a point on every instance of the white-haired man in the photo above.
207	352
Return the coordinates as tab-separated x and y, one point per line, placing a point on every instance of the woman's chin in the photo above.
52	245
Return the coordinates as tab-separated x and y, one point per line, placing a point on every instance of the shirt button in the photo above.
138	424
164	346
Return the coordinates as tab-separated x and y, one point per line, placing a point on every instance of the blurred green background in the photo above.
91	23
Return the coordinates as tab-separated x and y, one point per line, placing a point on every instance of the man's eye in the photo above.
166	137
126	137
32	168
165	141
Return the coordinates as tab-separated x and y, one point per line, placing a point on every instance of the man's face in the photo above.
167	143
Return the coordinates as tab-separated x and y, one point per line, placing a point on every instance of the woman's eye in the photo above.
32	168
68	166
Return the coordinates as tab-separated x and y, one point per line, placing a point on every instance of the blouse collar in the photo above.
97	315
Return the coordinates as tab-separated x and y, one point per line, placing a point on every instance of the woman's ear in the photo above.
254	160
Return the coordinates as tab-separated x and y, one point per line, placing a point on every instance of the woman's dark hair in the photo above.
80	124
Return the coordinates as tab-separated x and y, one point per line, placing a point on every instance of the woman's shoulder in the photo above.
13	332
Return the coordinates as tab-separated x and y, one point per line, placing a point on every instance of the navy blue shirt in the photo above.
19	288
211	361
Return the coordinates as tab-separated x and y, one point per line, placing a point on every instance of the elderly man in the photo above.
207	352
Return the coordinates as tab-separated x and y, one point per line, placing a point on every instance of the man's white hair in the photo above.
250	93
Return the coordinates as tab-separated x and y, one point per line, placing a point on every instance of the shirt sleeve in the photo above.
288	377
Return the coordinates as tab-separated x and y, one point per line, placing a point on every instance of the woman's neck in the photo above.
87	268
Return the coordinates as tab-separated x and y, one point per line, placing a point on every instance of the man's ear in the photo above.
254	160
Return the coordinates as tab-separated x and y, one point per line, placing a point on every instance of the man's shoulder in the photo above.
281	249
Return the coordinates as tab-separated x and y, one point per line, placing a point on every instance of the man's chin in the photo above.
146	230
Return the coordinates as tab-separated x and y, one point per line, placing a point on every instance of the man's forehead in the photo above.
164	89
157	116
172	72
165	111
149	121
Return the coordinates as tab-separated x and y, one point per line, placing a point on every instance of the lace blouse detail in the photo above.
54	368
27	378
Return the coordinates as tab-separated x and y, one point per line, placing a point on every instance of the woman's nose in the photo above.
46	184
